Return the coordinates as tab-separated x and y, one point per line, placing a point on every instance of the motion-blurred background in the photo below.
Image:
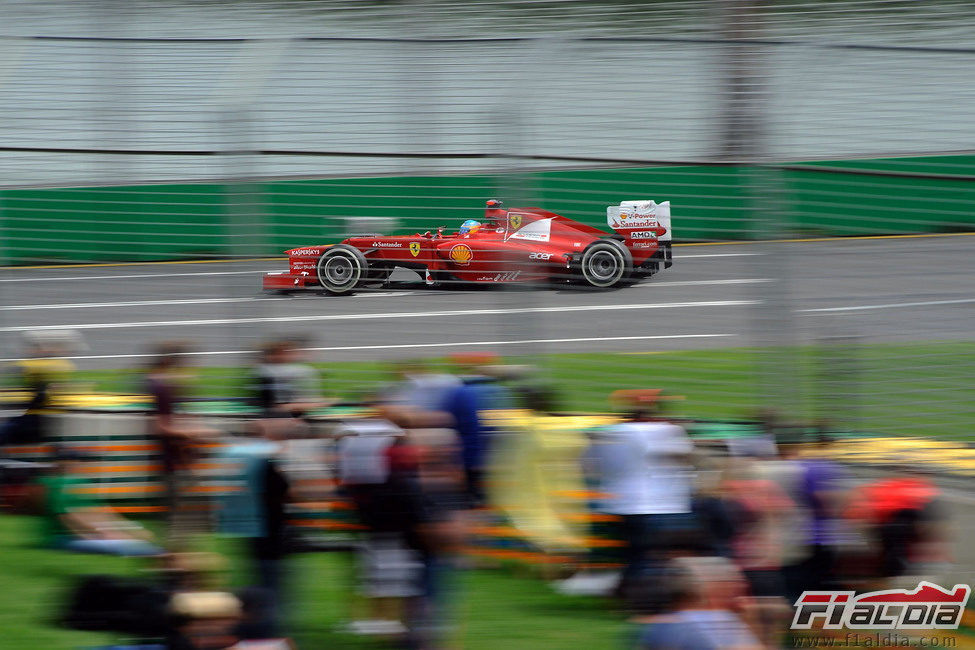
819	158
138	132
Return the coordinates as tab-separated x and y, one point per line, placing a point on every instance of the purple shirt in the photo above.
819	478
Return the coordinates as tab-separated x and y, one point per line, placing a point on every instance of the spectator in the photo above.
177	434
363	465
759	541
534	464
204	620
715	511
904	524
822	491
420	387
72	521
257	513
202	614
182	607
427	473
286	390
787	471
477	391
389	571
40	373
708	609
642	467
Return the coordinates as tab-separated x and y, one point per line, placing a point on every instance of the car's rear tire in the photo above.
605	263
341	269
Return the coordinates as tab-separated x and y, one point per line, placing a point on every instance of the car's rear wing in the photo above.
644	215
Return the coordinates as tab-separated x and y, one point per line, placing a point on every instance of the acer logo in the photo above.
539	256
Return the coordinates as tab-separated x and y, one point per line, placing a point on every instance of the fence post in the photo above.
743	140
246	226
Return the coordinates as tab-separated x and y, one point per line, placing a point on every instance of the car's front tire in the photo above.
605	263
341	269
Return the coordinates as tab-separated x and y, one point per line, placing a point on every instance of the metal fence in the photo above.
145	132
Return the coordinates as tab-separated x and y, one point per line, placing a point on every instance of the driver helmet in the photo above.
470	226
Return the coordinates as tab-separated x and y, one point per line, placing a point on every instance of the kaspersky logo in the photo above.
929	607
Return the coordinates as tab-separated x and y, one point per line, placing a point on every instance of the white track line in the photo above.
892	305
384	315
71	278
187	301
211	301
133	303
594	339
680	256
702	283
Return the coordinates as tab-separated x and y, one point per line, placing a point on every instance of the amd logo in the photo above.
643	234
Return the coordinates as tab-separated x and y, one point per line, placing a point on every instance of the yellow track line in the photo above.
713	243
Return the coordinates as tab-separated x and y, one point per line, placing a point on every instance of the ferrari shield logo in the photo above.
515	221
415	248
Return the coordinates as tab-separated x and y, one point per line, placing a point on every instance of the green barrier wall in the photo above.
196	220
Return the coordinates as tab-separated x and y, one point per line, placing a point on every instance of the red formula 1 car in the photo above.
516	245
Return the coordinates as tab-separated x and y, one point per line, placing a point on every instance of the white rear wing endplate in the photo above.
638	215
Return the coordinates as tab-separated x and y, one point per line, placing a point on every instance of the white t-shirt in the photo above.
362	451
638	468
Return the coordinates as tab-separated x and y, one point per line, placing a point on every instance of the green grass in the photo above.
888	389
493	609
33	585
921	389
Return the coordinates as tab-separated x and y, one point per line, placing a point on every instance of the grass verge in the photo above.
492	609
887	389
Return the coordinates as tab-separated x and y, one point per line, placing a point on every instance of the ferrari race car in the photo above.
516	245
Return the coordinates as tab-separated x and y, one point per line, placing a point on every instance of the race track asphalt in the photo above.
885	289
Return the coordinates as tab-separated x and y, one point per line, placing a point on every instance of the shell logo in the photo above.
461	254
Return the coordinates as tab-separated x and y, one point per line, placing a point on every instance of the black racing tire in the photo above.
605	263
341	269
